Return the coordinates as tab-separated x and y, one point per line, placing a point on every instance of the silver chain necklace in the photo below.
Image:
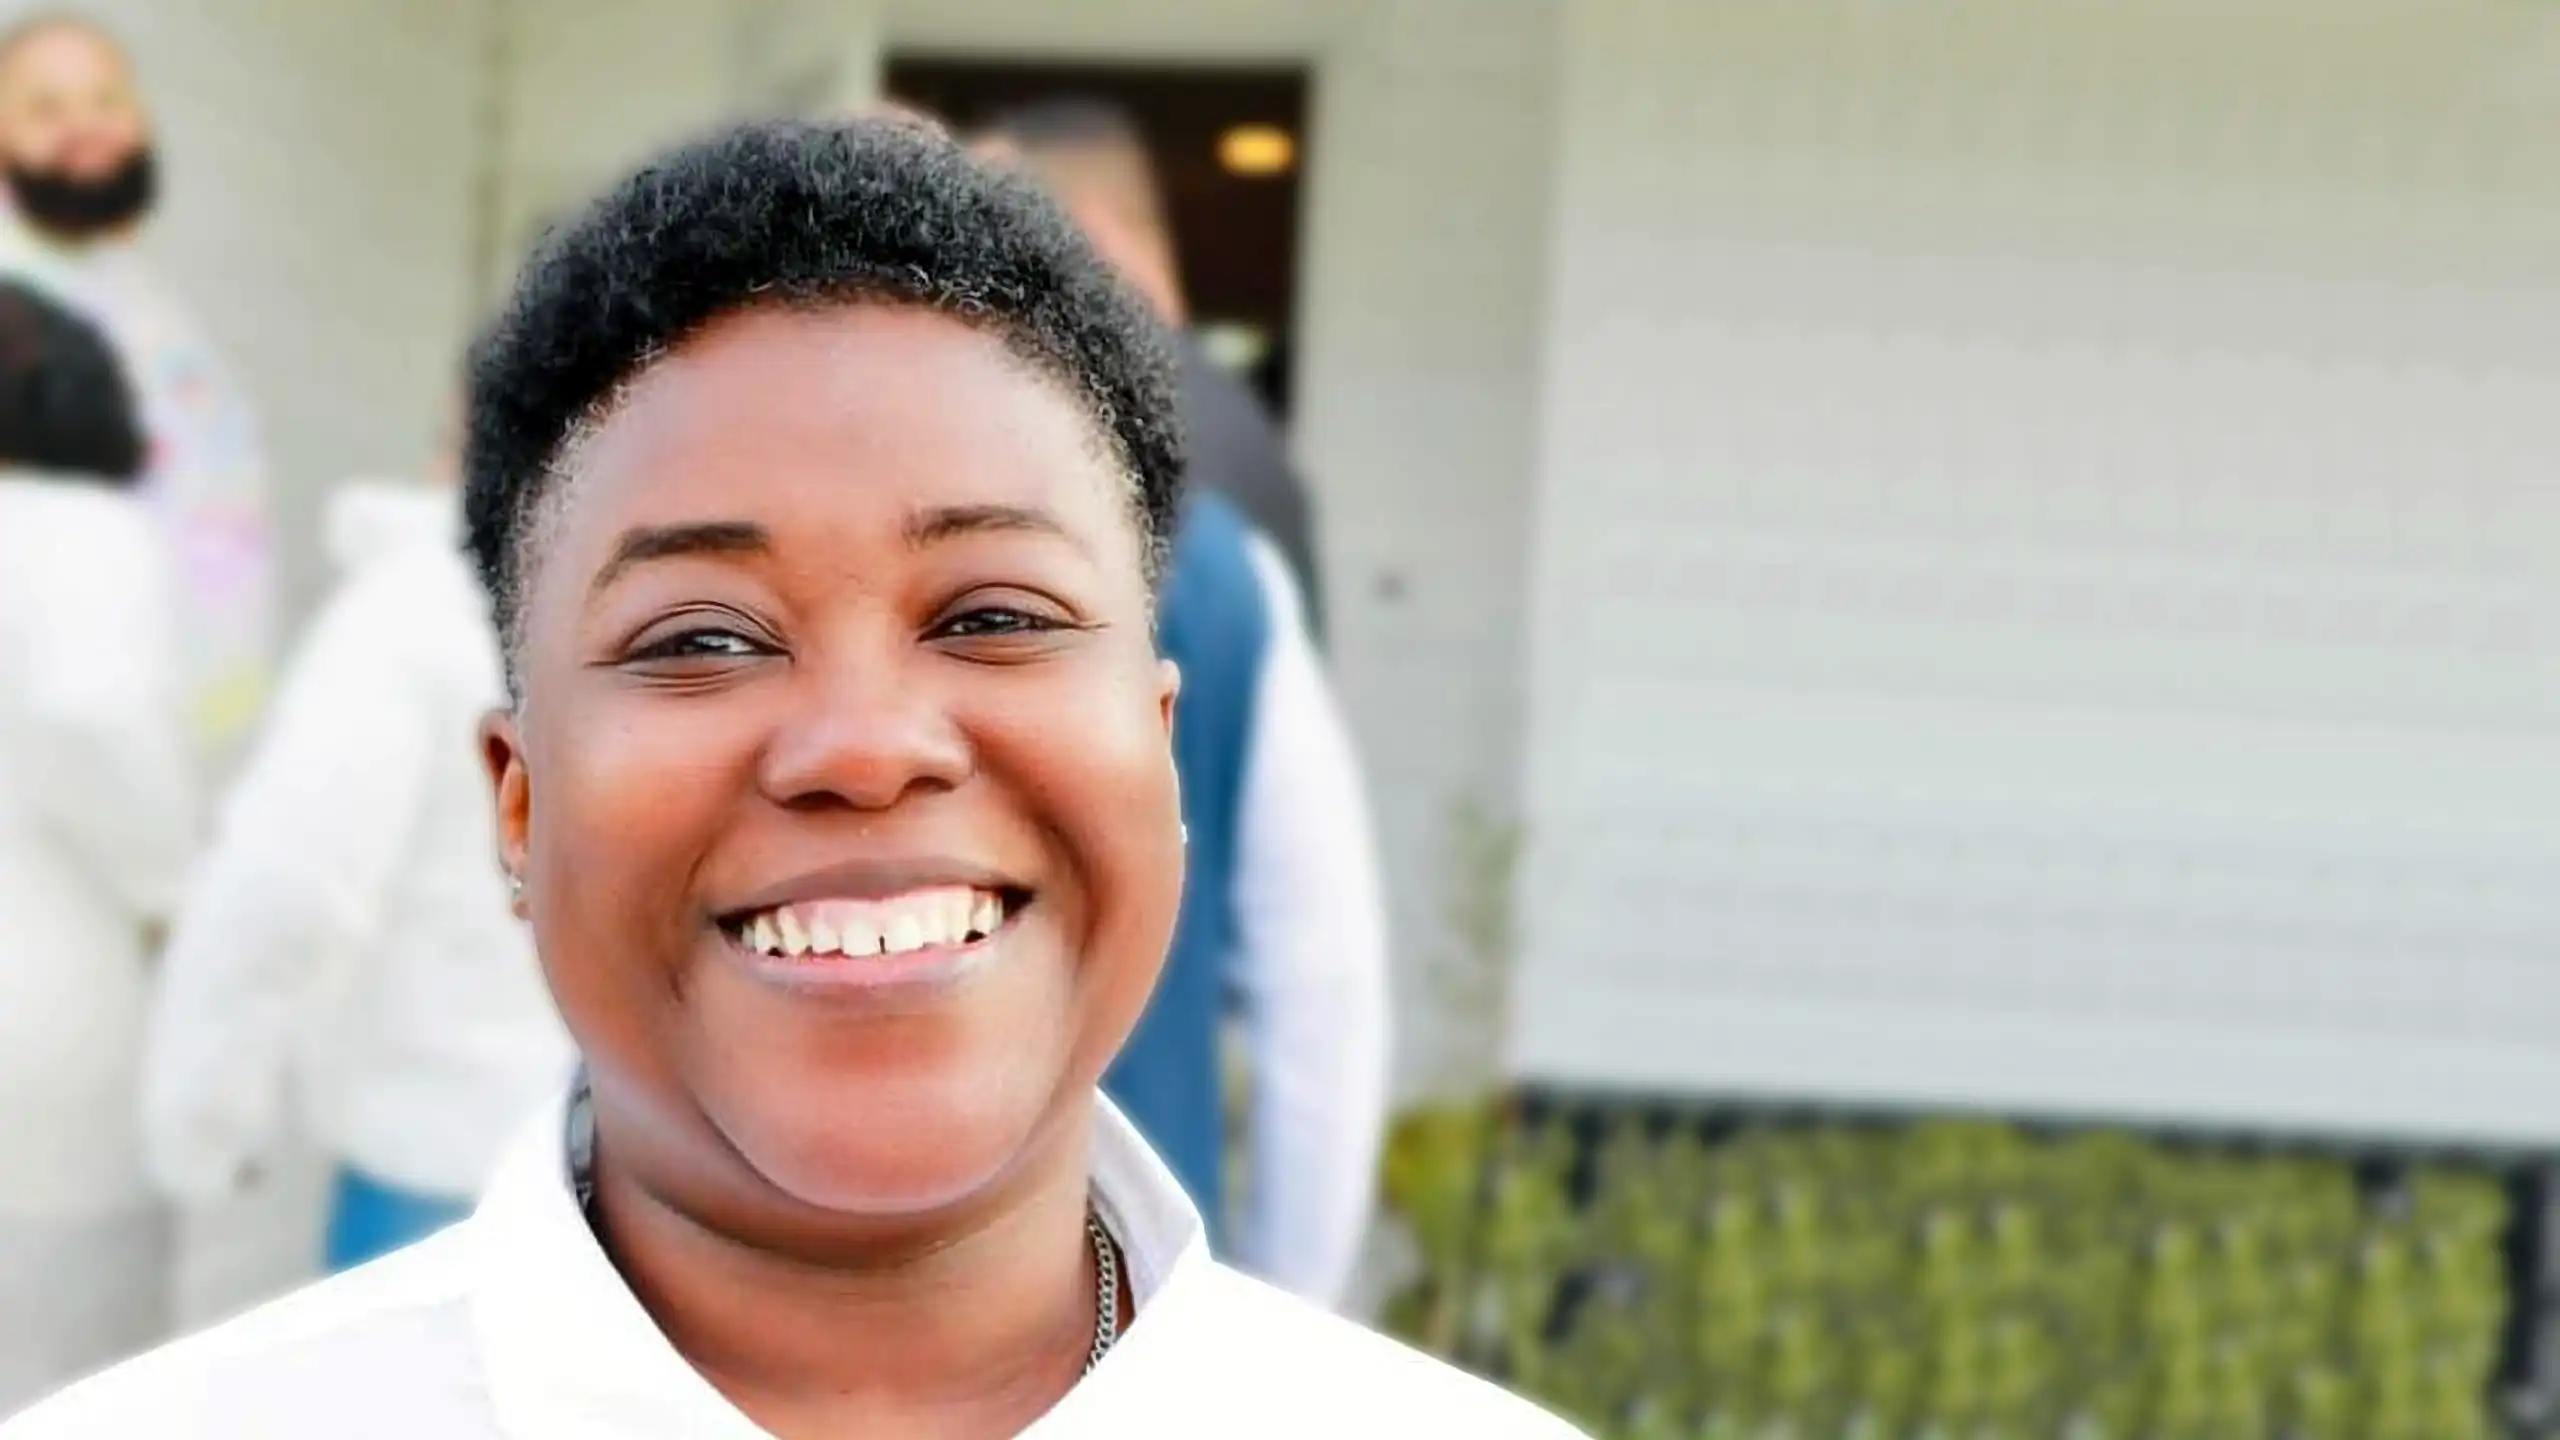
1106	1289
1106	1253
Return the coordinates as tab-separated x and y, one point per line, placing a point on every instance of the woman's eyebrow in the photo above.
949	522
644	543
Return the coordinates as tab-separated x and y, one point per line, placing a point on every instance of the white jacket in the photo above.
1312	968
96	821
348	939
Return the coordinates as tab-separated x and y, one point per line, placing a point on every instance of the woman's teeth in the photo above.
923	919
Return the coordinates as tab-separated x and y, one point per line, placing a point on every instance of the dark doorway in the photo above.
1229	146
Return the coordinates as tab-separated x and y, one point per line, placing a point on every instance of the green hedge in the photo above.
1954	1281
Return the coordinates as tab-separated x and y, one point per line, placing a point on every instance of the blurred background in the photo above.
1950	610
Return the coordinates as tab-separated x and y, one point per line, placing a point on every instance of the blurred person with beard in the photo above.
76	151
1282	919
348	939
96	824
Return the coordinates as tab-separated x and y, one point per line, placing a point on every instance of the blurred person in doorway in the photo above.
1282	916
81	176
96	825
1093	159
349	940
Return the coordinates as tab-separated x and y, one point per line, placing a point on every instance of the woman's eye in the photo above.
697	645
996	620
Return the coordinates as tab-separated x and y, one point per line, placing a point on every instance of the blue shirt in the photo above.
1214	622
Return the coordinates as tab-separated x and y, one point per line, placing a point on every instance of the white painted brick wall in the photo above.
1425	265
2044	584
594	86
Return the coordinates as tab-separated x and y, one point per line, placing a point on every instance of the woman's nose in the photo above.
862	735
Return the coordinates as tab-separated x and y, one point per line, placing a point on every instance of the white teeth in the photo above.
891	927
860	937
905	933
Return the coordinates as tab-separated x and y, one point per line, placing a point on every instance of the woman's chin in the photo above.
885	1184
887	1160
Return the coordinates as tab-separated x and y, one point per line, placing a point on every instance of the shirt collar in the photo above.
572	1355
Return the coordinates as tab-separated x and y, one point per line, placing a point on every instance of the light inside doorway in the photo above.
1256	152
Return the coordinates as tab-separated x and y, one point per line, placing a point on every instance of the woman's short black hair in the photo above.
799	213
64	405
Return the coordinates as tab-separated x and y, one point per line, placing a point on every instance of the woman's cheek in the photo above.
641	784
1101	767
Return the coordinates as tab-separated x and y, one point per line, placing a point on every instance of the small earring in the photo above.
515	886
1186	832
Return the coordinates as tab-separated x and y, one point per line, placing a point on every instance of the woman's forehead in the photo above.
817	415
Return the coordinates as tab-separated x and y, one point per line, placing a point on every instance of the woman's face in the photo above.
842	787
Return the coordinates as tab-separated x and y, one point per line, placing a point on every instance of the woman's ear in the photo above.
1168	700
502	751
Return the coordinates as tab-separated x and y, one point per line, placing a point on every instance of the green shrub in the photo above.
1948	1280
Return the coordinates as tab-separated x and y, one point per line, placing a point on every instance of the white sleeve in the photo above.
111	772
307	844
1312	969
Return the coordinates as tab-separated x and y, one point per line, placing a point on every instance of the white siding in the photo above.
1425	269
2045	581
593	86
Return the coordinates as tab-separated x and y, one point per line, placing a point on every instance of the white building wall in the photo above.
2045	562
1425	266
592	86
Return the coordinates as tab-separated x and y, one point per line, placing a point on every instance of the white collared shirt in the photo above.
515	1326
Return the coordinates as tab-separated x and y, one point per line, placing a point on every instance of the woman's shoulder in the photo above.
1315	1369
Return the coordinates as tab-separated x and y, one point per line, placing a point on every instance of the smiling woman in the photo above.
820	478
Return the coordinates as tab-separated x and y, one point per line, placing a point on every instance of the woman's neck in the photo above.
977	1333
